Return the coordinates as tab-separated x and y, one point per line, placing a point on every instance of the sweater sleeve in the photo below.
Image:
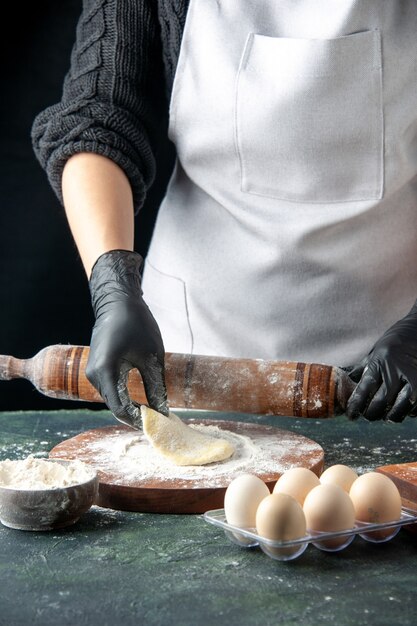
114	98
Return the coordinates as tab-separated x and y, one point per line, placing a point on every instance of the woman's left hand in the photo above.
387	377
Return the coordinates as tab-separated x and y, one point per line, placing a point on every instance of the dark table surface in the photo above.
116	567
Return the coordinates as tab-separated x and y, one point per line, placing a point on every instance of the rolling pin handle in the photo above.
10	367
345	387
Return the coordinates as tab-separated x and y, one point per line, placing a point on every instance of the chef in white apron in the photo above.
289	227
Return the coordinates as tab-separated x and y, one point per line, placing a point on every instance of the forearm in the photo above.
98	202
113	101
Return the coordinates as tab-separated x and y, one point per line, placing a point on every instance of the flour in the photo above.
125	457
33	473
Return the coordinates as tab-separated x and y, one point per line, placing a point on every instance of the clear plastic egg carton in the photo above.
326	541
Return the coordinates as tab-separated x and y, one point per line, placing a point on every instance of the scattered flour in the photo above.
33	473
135	453
125	457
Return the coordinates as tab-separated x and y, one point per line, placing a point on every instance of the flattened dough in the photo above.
180	443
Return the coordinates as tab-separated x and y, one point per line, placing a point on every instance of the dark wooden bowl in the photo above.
46	509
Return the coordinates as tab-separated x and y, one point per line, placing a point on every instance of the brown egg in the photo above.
281	518
297	482
328	508
339	474
376	500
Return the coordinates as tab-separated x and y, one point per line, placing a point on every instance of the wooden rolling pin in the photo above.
199	382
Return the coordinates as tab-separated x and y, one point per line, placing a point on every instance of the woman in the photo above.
288	230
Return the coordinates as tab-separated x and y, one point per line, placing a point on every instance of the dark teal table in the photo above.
124	568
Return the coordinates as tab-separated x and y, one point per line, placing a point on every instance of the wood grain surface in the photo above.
192	495
404	476
214	383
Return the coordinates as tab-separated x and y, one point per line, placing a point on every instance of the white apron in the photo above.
289	227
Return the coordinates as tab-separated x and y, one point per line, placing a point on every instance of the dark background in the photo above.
44	297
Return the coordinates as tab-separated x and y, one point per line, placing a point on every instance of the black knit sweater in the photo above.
115	95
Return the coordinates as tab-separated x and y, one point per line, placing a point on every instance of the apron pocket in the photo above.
308	118
166	297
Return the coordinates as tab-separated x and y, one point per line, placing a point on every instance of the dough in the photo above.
182	444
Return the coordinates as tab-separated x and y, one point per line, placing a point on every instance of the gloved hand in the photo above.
125	336
387	377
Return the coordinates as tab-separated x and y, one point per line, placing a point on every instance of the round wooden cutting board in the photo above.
157	486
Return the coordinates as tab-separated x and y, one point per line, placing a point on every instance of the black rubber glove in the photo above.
125	336
387	377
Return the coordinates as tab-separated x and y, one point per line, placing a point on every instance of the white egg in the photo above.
242	498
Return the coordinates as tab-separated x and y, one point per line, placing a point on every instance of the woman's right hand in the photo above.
125	336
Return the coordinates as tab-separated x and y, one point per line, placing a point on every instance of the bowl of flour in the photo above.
40	494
